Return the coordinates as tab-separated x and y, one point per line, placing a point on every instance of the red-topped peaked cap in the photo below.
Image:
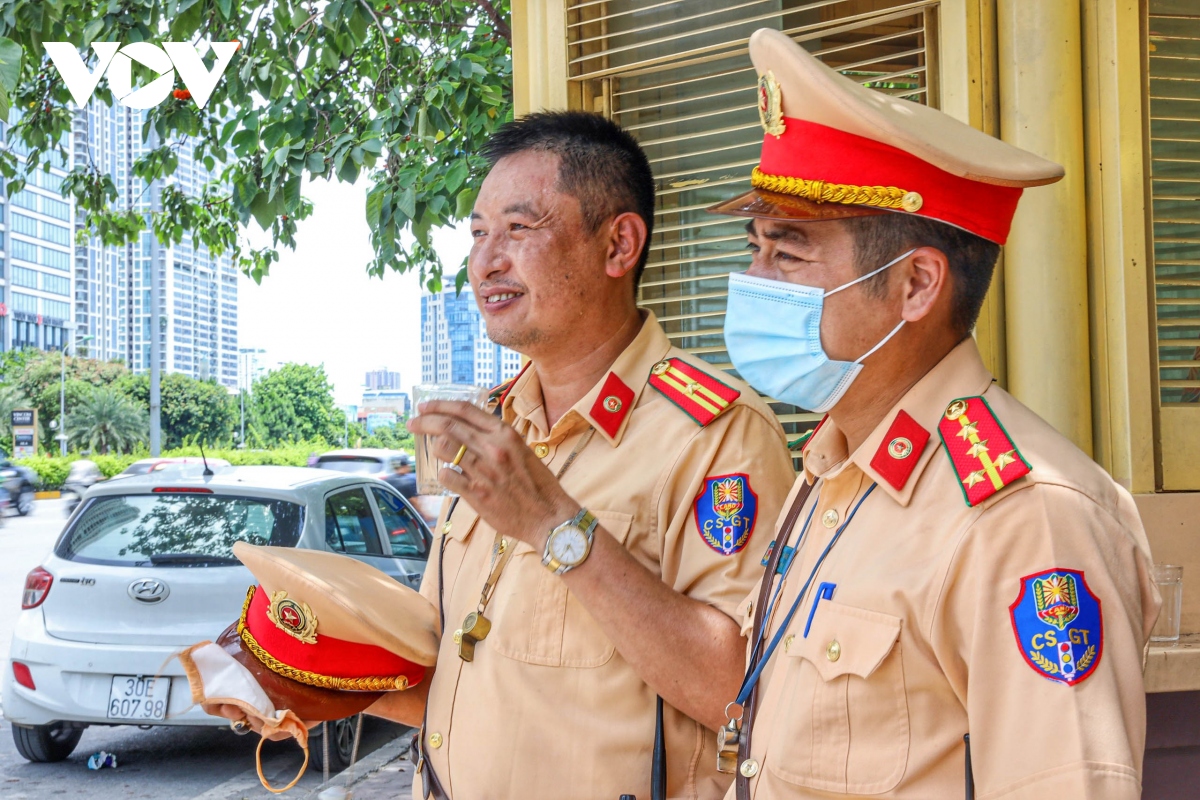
334	623
834	148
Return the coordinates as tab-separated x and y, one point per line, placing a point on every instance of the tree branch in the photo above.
498	22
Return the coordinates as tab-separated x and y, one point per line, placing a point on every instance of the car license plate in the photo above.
136	697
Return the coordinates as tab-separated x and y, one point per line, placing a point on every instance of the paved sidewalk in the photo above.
386	774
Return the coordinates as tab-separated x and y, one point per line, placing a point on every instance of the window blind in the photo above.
1174	97
677	74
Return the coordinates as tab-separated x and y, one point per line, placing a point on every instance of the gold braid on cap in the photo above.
822	192
369	684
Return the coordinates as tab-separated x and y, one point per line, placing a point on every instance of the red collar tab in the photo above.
283	634
698	394
612	405
855	165
984	457
900	450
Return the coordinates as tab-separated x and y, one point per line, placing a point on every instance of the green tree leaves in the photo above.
107	421
293	404
404	93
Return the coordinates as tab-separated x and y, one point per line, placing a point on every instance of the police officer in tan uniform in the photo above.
948	563
614	508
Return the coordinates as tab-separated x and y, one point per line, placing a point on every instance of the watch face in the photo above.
568	546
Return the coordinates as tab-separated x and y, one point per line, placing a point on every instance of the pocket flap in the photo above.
845	640
617	523
462	521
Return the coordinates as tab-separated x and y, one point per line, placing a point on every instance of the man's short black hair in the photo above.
600	164
880	238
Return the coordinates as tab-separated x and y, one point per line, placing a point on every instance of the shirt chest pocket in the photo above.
537	621
843	714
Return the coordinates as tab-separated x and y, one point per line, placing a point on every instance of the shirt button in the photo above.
830	518
435	740
749	768
834	651
541	449
787	643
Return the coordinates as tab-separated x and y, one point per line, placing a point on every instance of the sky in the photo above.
319	306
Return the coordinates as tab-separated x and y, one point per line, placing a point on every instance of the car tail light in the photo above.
22	674
180	490
37	586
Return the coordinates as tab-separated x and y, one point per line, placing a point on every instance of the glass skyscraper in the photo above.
36	256
454	343
197	290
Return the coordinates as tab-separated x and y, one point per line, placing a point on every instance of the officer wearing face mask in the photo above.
948	564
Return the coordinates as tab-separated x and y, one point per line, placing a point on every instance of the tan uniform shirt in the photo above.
547	708
915	644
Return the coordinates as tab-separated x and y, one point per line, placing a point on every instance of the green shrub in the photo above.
51	470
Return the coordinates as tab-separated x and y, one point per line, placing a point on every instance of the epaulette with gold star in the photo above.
698	394
983	455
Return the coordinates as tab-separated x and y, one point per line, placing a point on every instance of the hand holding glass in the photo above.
429	464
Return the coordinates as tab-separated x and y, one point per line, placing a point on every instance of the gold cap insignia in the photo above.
770	104
293	618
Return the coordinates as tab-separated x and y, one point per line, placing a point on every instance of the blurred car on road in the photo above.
145	568
145	466
83	475
21	484
362	461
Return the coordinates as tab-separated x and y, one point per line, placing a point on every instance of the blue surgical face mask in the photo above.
773	334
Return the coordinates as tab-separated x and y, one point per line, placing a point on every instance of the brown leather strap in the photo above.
741	782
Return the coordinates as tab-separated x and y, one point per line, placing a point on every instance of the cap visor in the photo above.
771	205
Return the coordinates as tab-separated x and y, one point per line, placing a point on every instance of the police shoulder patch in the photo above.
1058	626
698	394
726	510
984	458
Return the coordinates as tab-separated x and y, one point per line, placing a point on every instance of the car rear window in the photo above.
354	465
184	530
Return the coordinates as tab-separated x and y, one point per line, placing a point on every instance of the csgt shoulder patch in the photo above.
1057	623
726	510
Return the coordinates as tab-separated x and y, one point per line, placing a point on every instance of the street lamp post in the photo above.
62	393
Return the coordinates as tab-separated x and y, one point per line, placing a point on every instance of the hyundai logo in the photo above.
148	591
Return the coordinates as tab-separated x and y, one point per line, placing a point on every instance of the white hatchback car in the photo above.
144	568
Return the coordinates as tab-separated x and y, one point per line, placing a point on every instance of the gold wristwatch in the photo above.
570	544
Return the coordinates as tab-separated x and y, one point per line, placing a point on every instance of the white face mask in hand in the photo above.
217	678
773	335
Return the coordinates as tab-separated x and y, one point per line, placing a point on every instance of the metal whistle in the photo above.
727	747
475	628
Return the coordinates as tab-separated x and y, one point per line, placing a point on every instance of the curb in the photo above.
392	751
47	495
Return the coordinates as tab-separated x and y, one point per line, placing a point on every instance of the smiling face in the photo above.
538	273
821	254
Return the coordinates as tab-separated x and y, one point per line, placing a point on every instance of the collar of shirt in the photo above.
626	379
960	374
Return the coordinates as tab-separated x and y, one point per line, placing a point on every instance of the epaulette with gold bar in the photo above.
698	394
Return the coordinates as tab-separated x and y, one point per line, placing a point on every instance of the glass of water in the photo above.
1169	579
427	463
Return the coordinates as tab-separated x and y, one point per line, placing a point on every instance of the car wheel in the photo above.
341	745
43	744
25	500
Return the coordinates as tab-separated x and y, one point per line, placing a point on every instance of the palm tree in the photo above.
107	421
11	397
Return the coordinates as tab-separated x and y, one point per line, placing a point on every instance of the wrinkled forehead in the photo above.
524	184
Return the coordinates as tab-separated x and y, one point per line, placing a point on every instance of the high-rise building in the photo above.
197	289
382	378
454	343
35	254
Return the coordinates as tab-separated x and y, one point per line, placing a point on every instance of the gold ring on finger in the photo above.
462	451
